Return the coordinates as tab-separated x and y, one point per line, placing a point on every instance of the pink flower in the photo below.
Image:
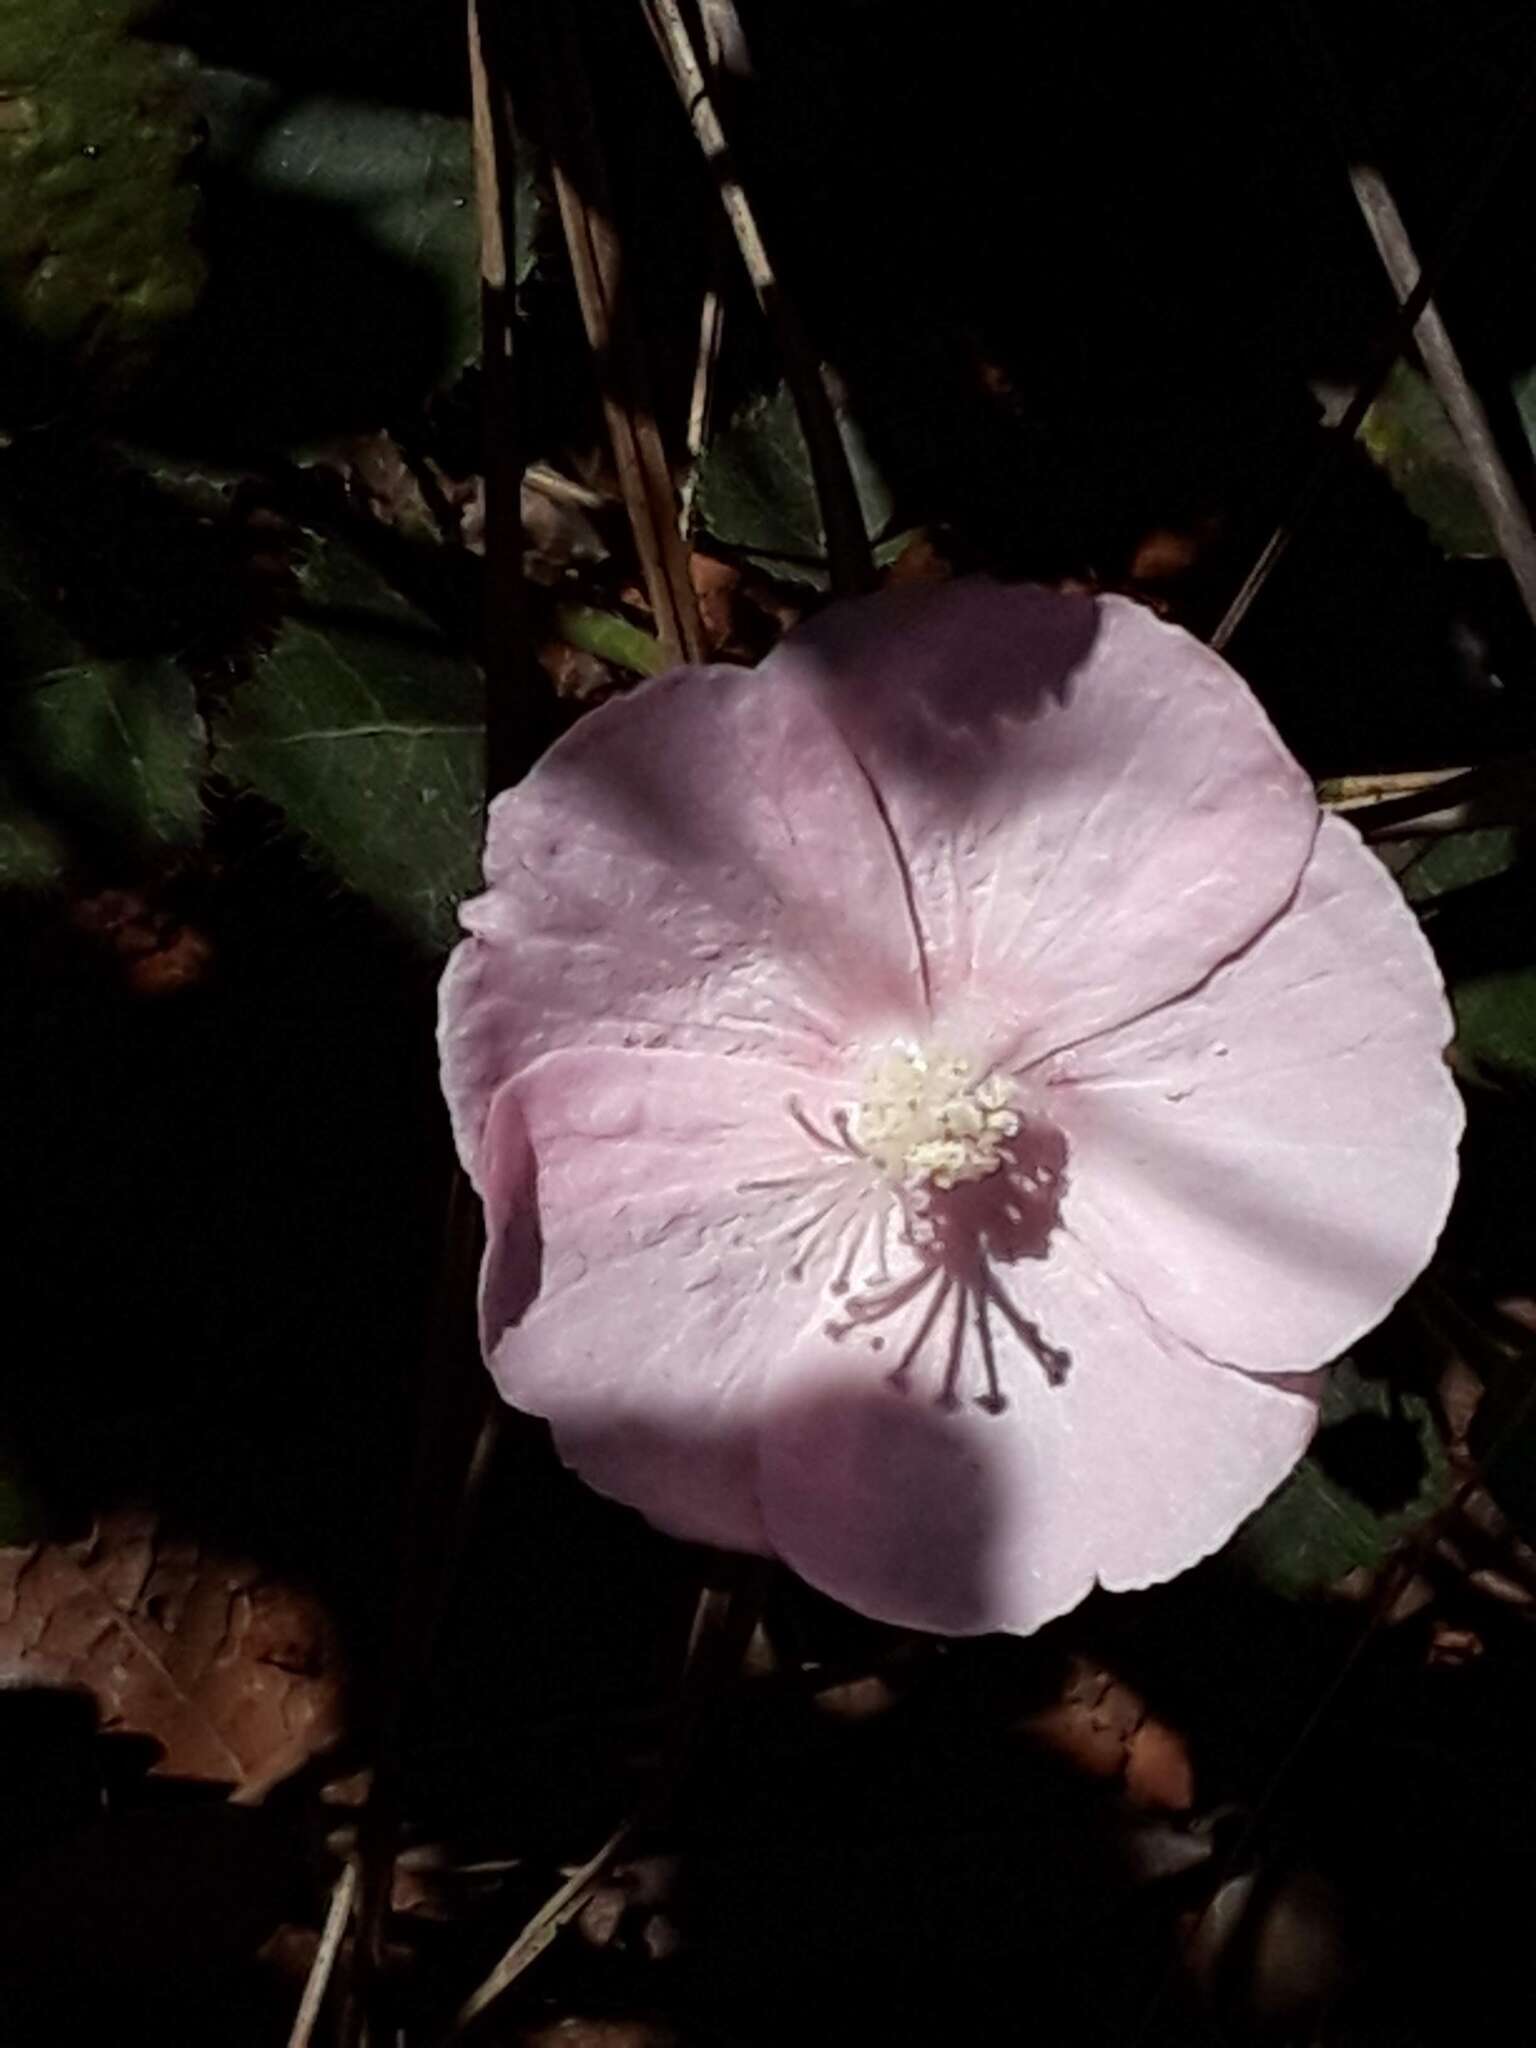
933	1096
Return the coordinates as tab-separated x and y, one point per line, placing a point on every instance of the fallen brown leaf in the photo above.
919	562
583	677
859	1699
598	1921
714	584
182	962
1453	1647
1157	1768
558	538
156	952
1103	1727
392	488
1168	552
233	1675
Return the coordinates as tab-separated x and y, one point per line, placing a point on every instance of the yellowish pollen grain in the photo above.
921	1118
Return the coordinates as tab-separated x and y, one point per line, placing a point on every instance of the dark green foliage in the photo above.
756	491
364	727
102	756
98	249
1376	1470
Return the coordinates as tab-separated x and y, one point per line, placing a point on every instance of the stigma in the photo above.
923	1120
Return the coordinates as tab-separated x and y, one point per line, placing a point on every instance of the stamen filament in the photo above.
994	1401
797	1110
949	1395
1054	1362
843	1278
875	1307
901	1374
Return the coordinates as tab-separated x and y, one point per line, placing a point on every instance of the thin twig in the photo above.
725	55
723	1620
343	1894
849	560
562	490
1436	800
1348	793
519	711
1340	437
592	237
453	1441
1488	472
556	1912
488	183
725	42
611	639
446	1473
451	1446
701	399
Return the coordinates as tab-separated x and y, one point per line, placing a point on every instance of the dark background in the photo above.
1084	272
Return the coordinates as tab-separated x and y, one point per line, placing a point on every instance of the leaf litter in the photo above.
234	1677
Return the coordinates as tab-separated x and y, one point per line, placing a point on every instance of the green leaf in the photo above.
97	753
33	854
1496	1023
345	246
114	746
1376	1470
365	727
756	491
1407	433
1439	865
97	215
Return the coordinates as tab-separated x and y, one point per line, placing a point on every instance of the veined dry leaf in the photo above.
233	1674
1103	1727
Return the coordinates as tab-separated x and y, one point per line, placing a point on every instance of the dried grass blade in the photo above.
848	551
339	1912
1415	298
597	263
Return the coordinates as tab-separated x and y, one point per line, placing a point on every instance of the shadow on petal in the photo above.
875	1498
925	675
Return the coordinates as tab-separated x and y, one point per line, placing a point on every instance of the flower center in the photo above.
922	1119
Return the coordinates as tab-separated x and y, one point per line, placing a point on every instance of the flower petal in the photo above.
639	1280
1144	1459
700	864
1268	1162
1092	808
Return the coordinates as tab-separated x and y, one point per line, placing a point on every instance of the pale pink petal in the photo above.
1268	1162
1144	1459
640	1281
1092	808
701	864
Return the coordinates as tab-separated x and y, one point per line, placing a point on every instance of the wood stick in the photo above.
849	559
597	263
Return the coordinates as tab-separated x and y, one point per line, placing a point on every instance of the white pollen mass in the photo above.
921	1118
